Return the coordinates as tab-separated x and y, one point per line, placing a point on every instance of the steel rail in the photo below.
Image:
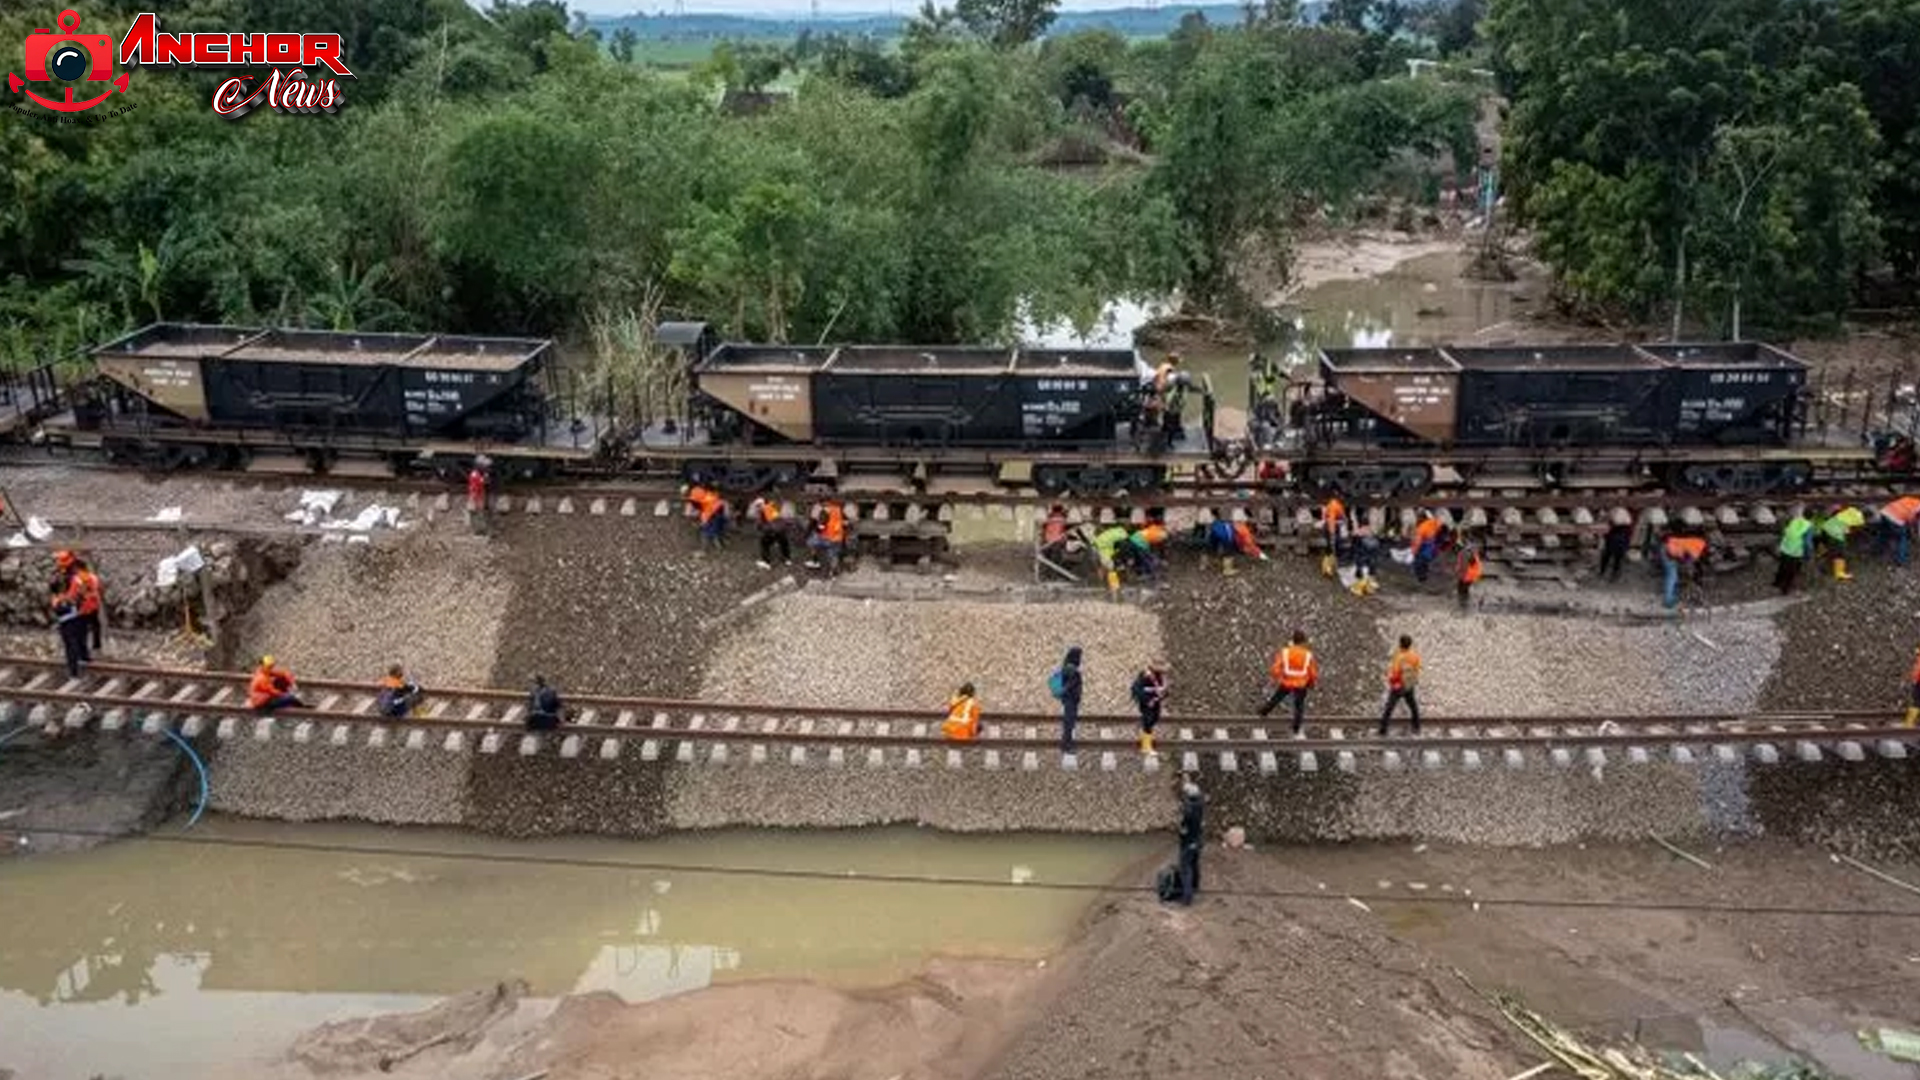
238	679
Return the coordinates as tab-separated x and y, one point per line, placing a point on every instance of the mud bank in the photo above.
1866	808
82	789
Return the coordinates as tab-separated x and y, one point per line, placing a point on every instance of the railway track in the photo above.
118	698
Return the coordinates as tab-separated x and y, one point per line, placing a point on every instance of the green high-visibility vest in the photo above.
1793	538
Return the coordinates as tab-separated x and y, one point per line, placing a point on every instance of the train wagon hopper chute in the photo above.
159	365
764	392
1392	398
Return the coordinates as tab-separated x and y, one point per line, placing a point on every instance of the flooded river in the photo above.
152	961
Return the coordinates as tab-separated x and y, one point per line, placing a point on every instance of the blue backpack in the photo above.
1057	684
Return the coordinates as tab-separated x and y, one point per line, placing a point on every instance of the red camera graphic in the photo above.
68	56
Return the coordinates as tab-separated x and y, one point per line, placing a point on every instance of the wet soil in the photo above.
72	791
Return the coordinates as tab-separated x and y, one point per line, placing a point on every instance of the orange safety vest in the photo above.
769	510
707	502
268	684
1427	530
1902	510
1403	670
1294	668
1335	510
1244	539
1916	668
87	583
1154	535
1470	568
963	719
1686	547
835	527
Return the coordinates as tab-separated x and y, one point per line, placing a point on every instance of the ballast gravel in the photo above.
289	781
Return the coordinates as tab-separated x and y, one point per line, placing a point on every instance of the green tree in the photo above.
1006	24
624	41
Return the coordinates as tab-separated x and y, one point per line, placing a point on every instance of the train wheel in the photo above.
1742	477
1051	480
1370	481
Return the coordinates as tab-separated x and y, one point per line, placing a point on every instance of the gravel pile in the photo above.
287	781
819	650
1866	809
56	492
1222	632
432	602
968	800
547	795
1851	644
617	605
1515	665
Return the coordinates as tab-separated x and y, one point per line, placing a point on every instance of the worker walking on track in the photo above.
765	513
1796	546
1894	528
272	687
1467	569
1680	554
1403	679
963	716
92	602
1066	686
1149	693
712	510
1295	670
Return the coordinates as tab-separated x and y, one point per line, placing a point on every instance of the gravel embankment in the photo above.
820	650
1851	644
287	781
434	603
618	605
57	493
1533	665
970	800
1222	632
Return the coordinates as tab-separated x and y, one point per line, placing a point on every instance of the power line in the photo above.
860	877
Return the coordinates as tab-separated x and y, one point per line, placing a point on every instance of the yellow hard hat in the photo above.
266	661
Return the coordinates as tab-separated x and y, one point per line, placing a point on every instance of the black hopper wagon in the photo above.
1059	419
175	394
1725	418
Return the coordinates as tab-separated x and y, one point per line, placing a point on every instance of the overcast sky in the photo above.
788	7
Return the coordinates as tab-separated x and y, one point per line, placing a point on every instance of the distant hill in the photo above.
1129	21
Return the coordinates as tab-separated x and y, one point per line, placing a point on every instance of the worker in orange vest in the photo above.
1687	553
713	514
829	539
1403	677
1913	692
1332	515
64	597
1895	527
963	716
1426	544
1144	547
1294	672
765	513
1467	569
398	694
85	587
272	688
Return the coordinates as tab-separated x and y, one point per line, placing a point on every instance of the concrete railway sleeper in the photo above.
122	698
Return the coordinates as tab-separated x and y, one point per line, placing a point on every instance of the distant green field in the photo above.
672	53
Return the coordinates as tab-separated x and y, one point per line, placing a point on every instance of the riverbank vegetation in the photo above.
506	171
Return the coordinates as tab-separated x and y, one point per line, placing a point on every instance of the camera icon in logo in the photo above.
70	57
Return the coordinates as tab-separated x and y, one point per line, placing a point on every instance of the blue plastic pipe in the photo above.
206	787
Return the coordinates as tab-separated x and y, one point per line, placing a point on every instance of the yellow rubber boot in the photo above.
1913	715
1226	567
1327	567
1840	570
1146	744
1113	584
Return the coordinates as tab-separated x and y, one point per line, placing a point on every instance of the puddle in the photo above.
1837	1051
151	961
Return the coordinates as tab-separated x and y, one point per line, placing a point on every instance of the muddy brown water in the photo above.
162	960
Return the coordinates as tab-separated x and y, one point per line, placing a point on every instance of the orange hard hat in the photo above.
63	558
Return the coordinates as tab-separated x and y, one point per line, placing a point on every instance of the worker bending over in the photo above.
712	510
1144	548
1894	528
271	688
963	716
398	694
829	539
1226	538
1403	678
765	513
1106	547
1295	670
1836	530
1680	554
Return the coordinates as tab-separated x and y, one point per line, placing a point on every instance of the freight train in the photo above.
1722	418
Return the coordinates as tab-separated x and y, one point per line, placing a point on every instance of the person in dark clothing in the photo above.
1150	694
71	625
1193	812
398	694
543	706
1066	687
1613	549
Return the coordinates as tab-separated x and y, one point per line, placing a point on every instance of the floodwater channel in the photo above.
154	960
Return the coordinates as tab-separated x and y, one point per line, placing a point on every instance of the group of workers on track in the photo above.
825	527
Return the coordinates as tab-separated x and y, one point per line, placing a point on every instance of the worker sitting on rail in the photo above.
829	539
544	708
1836	529
1145	546
272	688
398	694
1894	528
963	716
765	513
1426	544
1106	546
1680	554
1295	670
713	513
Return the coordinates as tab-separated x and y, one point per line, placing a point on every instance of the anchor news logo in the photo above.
84	60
